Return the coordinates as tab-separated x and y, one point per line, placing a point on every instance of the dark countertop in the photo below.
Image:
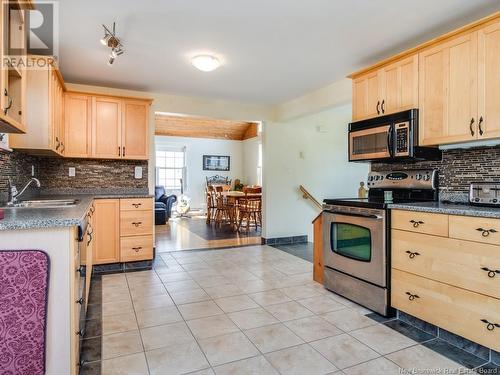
449	209
17	218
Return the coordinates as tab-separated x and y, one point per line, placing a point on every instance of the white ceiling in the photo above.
272	50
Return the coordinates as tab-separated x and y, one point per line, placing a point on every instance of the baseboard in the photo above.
285	240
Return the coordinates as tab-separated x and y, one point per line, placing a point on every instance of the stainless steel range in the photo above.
357	235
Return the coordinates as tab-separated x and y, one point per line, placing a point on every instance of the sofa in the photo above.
163	205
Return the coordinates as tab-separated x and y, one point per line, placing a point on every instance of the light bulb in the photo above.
205	63
113	53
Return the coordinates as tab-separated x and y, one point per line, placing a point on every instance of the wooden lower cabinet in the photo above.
122	232
135	248
106	220
462	312
451	261
420	222
444	272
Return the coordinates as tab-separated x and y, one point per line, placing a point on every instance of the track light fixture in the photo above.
110	40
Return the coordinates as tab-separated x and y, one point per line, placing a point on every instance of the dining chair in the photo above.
250	208
211	203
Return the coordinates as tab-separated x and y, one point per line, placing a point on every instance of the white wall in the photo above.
323	169
251	161
195	149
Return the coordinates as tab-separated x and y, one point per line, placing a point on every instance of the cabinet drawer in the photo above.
480	229
420	222
457	310
459	263
135	223
136	248
136	204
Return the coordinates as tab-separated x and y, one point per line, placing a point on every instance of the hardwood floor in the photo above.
193	233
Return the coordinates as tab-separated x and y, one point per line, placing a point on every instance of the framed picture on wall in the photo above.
216	163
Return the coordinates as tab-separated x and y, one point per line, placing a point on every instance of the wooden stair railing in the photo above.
307	195
318	274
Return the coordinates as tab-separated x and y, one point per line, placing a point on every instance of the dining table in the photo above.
240	194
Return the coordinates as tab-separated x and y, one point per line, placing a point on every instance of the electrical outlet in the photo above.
72	172
138	173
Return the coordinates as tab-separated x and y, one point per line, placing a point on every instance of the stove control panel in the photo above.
411	179
485	194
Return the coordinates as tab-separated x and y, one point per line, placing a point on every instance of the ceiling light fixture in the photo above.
205	63
110	40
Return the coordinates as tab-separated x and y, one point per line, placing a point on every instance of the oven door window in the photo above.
351	241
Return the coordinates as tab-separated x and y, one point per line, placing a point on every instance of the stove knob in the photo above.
477	199
495	200
418	176
370	178
377	178
427	177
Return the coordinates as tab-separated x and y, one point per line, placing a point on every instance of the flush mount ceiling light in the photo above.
205	63
110	40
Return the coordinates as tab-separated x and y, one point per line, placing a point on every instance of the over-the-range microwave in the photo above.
389	138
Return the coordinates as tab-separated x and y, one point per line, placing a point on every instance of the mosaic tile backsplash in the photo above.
458	168
92	176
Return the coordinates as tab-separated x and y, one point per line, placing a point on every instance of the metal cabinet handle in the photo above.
90	238
136	205
378	109
382	106
489	325
491	273
480	127
58	144
123	151
416	223
6	109
63	147
486	232
412	254
80	301
470	126
412	297
136	249
81	332
119	151
137	223
81	270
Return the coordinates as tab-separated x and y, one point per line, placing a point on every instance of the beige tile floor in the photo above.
249	310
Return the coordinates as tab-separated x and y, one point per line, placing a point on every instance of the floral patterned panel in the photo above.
24	280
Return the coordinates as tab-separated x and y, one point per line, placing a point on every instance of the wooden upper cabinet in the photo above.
448	91
135	130
400	85
106	229
44	102
77	125
106	127
489	81
366	96
392	88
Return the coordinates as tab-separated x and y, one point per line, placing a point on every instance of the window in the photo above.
170	168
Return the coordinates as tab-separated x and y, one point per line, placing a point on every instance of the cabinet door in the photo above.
366	96
77	121
106	127
106	226
489	81
135	130
400	85
448	92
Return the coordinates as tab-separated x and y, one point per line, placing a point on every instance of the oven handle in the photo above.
368	216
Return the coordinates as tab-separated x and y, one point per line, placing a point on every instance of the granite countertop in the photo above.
449	209
16	218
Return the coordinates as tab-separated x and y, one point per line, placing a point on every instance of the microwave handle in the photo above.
390	141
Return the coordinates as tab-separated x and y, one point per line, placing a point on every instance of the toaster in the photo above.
485	194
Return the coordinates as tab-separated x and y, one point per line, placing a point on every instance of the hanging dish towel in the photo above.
24	282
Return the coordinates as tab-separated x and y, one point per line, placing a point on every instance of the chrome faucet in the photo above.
14	194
